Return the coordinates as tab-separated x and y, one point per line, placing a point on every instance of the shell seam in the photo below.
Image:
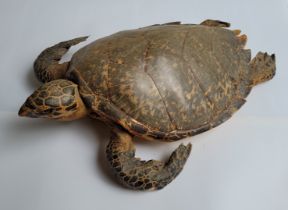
193	73
200	86
108	77
174	126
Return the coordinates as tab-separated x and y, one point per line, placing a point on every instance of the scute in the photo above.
168	78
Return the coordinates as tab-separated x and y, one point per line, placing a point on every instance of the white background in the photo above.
46	165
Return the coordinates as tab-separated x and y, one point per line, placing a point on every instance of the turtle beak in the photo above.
25	111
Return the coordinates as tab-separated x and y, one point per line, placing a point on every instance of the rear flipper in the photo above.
142	175
262	67
46	66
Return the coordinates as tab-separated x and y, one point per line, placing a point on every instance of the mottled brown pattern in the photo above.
162	82
184	76
51	101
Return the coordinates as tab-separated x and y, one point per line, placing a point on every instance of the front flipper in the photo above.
47	67
142	175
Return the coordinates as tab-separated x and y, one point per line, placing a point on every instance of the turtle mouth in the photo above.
26	112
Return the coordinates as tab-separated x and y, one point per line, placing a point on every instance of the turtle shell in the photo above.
176	80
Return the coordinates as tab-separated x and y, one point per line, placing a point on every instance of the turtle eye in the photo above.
47	111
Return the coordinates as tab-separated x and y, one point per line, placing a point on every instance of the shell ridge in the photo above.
184	42
107	75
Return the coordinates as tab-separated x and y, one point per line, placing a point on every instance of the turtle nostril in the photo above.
29	104
26	112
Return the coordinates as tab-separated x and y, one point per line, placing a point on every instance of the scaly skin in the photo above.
47	67
263	68
142	175
58	99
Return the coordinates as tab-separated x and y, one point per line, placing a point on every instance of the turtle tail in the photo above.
47	67
137	174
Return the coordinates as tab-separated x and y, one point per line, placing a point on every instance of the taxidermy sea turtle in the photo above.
161	82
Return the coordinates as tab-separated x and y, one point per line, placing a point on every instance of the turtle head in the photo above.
58	99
